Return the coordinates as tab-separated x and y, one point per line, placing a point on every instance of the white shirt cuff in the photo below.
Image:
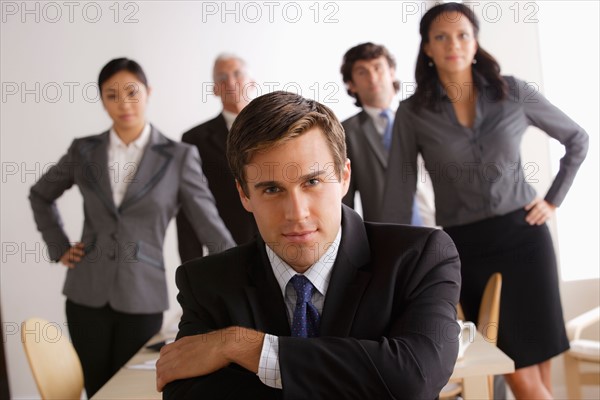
268	367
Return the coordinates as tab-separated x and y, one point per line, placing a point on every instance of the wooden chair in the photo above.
487	325
54	363
582	352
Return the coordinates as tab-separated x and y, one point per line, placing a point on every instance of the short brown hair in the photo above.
365	51
275	118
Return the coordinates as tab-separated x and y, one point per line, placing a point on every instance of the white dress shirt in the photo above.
124	160
319	275
378	120
229	118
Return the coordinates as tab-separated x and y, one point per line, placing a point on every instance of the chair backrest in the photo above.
489	309
54	363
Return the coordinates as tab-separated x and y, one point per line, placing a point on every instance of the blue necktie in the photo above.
387	142
306	317
387	133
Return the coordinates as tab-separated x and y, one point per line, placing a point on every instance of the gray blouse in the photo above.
477	172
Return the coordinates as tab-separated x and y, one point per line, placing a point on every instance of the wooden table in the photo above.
481	359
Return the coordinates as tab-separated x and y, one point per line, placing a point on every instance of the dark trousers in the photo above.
106	339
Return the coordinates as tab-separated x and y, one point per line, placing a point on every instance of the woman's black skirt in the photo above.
531	327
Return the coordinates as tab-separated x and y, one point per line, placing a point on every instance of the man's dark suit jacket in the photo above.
211	140
388	327
369	160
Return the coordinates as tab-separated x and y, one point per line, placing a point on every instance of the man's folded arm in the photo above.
414	360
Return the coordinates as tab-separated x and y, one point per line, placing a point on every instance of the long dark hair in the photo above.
118	65
427	76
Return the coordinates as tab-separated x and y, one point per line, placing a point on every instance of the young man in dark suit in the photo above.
368	70
234	86
321	305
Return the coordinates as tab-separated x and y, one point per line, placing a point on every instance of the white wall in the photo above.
176	44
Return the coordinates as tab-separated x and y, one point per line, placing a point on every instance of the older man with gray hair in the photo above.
232	83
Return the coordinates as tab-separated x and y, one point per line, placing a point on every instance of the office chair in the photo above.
582	352
54	363
487	325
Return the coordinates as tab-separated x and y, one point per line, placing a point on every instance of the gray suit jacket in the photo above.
368	160
123	264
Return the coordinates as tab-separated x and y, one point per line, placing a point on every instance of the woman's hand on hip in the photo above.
539	211
73	255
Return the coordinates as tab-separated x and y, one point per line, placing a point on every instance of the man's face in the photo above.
373	82
232	84
296	196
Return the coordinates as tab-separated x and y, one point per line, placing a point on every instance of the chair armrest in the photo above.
579	323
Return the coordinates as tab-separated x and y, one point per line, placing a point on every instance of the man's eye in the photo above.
313	182
272	189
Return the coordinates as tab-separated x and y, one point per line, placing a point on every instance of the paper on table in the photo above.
148	365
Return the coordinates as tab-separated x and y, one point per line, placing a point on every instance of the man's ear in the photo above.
351	87
243	198
345	177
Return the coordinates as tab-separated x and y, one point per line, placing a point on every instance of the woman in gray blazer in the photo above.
132	180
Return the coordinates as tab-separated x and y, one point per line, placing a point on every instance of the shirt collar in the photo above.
323	267
375	112
139	143
229	118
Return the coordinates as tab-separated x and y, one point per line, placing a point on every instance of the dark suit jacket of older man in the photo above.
211	140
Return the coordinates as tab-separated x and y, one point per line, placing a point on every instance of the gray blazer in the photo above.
368	159
123	265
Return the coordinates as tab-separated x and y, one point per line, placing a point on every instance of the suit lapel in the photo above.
348	282
265	297
95	169
151	169
373	138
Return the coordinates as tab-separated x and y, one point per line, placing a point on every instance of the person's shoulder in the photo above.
89	141
407	105
412	250
198	132
400	238
353	120
226	266
352	125
520	90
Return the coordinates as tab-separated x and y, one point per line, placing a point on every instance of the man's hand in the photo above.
539	211
200	355
73	255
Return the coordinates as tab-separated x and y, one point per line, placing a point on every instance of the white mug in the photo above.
465	337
